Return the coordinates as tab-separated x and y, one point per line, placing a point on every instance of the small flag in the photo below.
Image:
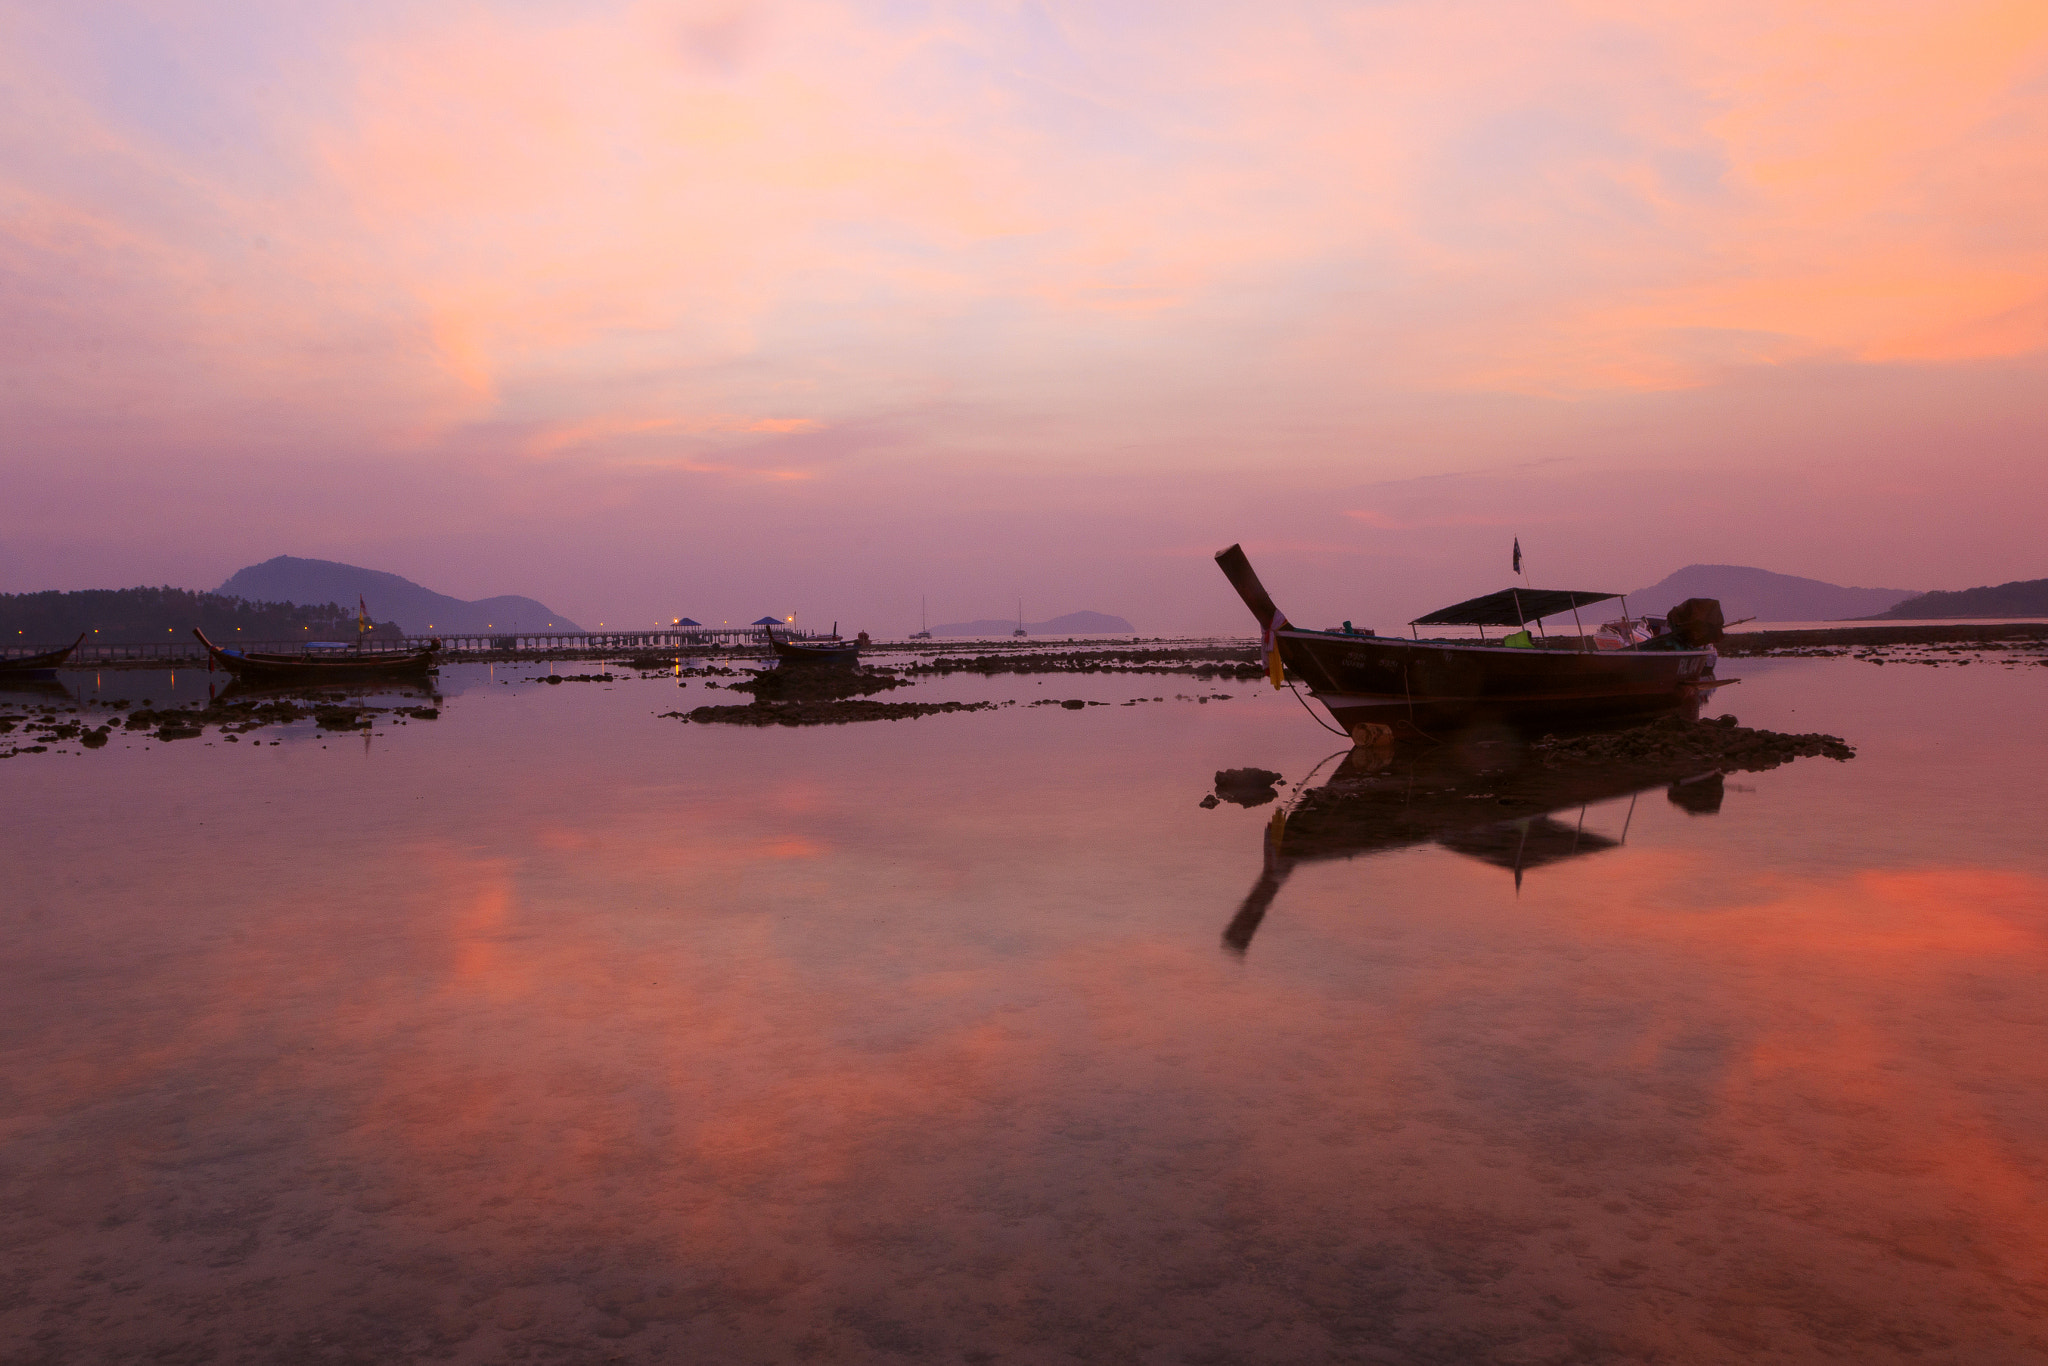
1518	554
362	615
1273	669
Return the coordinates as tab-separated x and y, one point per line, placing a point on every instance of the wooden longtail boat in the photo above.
49	659
274	668
1437	688
799	652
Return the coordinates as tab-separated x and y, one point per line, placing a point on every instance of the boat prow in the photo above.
1435	689
40	664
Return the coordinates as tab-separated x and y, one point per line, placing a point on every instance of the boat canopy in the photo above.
1510	607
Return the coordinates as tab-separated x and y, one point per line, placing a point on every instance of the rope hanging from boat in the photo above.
1311	711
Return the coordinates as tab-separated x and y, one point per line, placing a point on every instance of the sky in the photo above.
717	308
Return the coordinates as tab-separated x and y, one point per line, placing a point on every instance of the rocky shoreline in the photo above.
1840	640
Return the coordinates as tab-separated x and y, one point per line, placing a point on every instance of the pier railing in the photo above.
454	645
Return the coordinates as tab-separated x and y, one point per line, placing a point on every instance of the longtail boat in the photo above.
280	668
1375	686
834	651
42	663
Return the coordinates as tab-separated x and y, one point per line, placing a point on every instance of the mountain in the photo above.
1746	592
2020	598
132	616
419	610
1072	624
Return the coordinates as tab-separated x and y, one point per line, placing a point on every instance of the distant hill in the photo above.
131	616
2020	598
1072	624
419	610
1747	592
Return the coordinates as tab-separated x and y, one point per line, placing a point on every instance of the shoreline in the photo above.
1752	643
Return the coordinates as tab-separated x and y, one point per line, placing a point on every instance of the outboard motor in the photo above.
1697	622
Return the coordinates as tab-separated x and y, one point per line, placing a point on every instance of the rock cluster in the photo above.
1244	786
1719	743
830	713
806	683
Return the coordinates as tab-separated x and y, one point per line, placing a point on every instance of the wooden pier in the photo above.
489	644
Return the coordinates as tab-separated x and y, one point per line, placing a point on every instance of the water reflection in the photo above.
1493	803
555	1033
25	691
236	690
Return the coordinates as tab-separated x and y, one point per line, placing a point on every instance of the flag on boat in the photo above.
1272	643
362	616
1518	554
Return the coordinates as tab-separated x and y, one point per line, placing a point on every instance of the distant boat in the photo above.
39	664
1020	618
801	652
1435	688
335	668
924	630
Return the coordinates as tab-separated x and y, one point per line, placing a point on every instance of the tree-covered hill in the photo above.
2020	598
127	616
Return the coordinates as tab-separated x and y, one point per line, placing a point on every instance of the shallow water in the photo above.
552	1029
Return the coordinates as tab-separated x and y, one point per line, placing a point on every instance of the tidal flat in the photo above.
517	1021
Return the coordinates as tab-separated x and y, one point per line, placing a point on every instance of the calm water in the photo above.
552	1030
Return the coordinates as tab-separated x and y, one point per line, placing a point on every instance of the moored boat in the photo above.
39	664
1373	685
282	668
833	651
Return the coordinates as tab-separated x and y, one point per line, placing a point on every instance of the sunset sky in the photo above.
719	308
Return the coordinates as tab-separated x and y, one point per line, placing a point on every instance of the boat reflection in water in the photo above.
1492	803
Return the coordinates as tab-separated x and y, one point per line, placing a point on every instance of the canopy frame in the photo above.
1511	607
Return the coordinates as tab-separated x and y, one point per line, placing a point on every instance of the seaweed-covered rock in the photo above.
811	684
1720	743
1246	786
828	713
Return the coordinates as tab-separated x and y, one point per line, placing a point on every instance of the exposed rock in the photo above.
804	684
1720	743
829	713
1246	786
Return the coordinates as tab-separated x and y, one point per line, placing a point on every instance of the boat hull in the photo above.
790	653
38	666
1437	688
283	669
